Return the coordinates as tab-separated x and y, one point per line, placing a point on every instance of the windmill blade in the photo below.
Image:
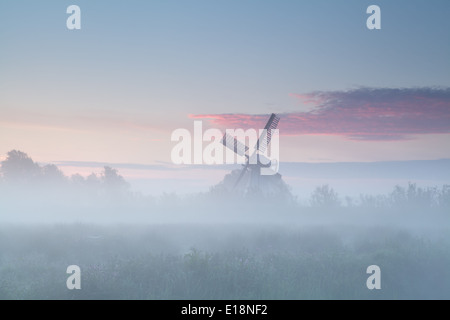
273	122
233	144
266	137
244	170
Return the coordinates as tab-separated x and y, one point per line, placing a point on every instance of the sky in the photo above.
114	91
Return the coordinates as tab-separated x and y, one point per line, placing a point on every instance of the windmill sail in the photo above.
266	137
235	145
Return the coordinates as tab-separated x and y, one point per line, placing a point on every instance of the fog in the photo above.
222	244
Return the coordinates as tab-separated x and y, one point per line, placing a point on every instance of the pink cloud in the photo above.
233	120
360	114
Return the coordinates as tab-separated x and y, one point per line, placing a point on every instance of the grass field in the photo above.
221	261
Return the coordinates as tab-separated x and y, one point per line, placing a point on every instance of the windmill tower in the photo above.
250	177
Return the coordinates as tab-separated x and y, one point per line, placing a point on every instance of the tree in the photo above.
324	196
444	197
112	179
93	181
19	167
113	183
414	197
51	174
77	179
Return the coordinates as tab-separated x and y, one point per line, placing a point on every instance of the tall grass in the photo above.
221	262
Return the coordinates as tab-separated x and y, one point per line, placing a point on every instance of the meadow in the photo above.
221	261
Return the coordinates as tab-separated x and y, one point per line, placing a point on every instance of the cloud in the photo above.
359	114
232	120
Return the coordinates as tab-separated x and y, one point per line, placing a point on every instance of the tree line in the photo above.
19	171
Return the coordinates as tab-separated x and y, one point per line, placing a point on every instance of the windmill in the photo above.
254	159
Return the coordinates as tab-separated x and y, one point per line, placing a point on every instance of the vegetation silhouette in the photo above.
20	175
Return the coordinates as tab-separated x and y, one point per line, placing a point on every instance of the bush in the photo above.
325	196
